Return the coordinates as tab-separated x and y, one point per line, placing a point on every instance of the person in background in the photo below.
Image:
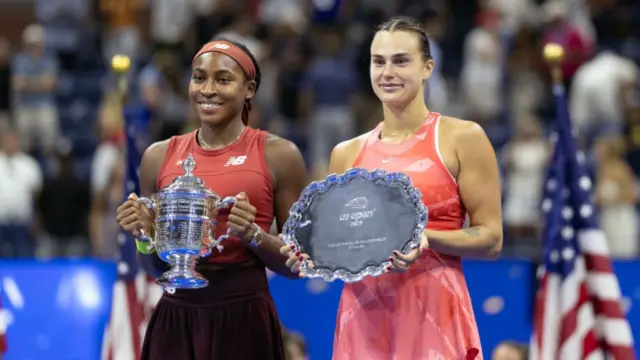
615	196
106	177
5	84
482	69
20	186
164	85
560	30
525	84
64	207
291	68
242	30
171	24
632	143
510	350
122	35
327	99
33	80
525	159
65	22
436	92
603	88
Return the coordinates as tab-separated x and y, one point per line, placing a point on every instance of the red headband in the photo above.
232	51
241	57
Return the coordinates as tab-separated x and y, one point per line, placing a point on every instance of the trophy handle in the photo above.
149	204
224	203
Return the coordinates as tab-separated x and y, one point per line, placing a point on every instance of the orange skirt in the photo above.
424	313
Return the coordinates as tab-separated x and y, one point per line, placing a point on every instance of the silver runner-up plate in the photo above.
349	224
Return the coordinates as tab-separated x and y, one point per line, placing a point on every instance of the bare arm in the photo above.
290	174
479	188
149	168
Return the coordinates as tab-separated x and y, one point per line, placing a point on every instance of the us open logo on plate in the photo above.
357	213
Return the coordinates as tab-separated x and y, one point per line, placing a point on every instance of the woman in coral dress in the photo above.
420	309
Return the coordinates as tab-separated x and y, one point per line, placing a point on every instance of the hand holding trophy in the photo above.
351	223
132	216
185	221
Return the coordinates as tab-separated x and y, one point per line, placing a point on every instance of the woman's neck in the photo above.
405	120
217	136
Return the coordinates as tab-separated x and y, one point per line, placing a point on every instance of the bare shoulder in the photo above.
459	129
285	162
283	155
345	153
282	149
156	151
465	136
150	166
352	145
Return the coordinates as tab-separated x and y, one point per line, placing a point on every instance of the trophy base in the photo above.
182	274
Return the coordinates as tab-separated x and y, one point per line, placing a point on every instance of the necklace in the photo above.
395	136
401	134
208	147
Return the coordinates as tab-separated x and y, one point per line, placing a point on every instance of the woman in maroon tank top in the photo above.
234	317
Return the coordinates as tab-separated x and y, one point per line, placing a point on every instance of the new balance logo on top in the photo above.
236	160
220	46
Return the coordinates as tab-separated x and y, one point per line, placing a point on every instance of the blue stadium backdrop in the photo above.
58	309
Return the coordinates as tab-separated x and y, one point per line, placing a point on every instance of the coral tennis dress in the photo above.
424	313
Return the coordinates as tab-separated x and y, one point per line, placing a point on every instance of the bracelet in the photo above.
144	247
256	238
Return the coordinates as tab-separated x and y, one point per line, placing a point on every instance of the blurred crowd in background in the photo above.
62	143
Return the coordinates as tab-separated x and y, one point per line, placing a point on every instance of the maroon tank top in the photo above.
239	167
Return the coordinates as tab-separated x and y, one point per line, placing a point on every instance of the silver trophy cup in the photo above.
184	227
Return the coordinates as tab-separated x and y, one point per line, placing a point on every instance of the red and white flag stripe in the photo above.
132	305
582	317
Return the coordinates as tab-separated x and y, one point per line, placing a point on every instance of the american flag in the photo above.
134	293
578	313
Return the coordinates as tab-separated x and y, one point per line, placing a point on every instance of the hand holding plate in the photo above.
401	262
349	224
295	258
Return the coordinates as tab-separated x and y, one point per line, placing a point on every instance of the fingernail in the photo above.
390	258
297	253
300	258
388	268
292	246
